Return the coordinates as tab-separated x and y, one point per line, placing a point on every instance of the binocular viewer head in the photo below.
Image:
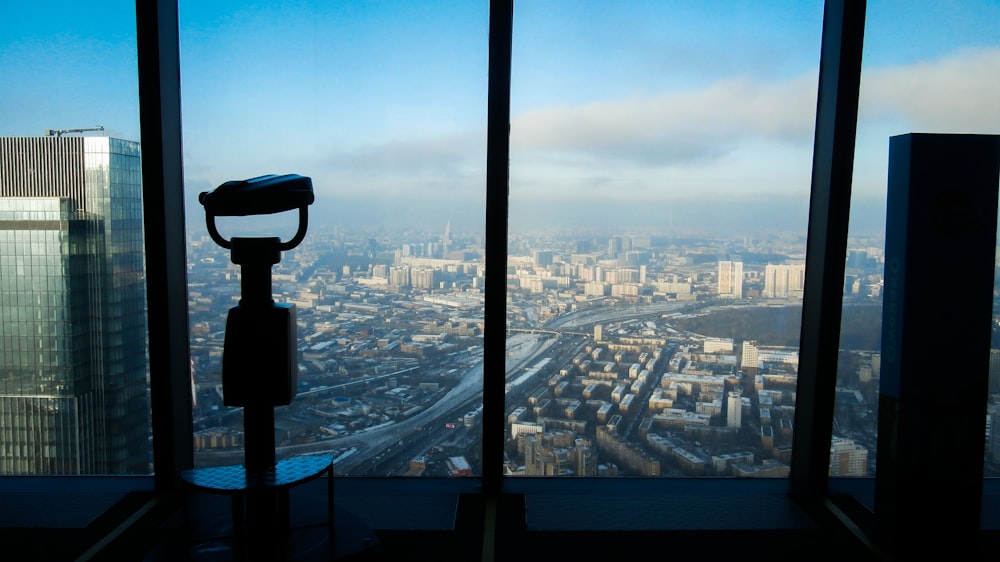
262	195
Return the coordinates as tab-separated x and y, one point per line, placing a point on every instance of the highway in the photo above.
522	348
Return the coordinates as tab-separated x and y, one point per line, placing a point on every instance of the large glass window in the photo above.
658	185
928	68
74	395
383	106
660	175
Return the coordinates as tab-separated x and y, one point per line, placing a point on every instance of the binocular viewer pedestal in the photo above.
259	372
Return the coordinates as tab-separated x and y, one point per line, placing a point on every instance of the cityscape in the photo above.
635	354
603	376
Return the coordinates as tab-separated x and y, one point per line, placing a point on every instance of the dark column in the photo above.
497	159
936	324
166	246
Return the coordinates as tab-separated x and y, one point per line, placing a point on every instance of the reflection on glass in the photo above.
383	106
73	367
945	82
992	466
660	173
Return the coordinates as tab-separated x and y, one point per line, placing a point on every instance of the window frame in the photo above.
157	37
836	120
826	244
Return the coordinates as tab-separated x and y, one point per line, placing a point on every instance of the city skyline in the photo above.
386	335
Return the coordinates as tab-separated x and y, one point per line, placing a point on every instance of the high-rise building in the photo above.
734	409
543	257
749	358
994	373
586	458
847	458
73	390
993	432
786	280
731	279
614	246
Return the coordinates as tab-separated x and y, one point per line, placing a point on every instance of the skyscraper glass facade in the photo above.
73	388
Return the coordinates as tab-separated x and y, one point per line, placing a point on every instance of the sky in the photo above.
672	113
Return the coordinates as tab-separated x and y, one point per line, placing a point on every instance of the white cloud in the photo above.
957	93
734	136
741	135
674	128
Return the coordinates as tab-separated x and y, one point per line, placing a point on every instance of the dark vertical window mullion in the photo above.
166	253
829	210
497	182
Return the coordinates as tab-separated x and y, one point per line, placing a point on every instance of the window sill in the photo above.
65	517
549	516
64	502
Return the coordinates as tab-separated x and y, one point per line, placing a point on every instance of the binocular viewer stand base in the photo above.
260	517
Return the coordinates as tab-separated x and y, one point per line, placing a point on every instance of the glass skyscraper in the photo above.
73	367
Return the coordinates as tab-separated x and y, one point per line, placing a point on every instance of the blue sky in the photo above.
659	103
